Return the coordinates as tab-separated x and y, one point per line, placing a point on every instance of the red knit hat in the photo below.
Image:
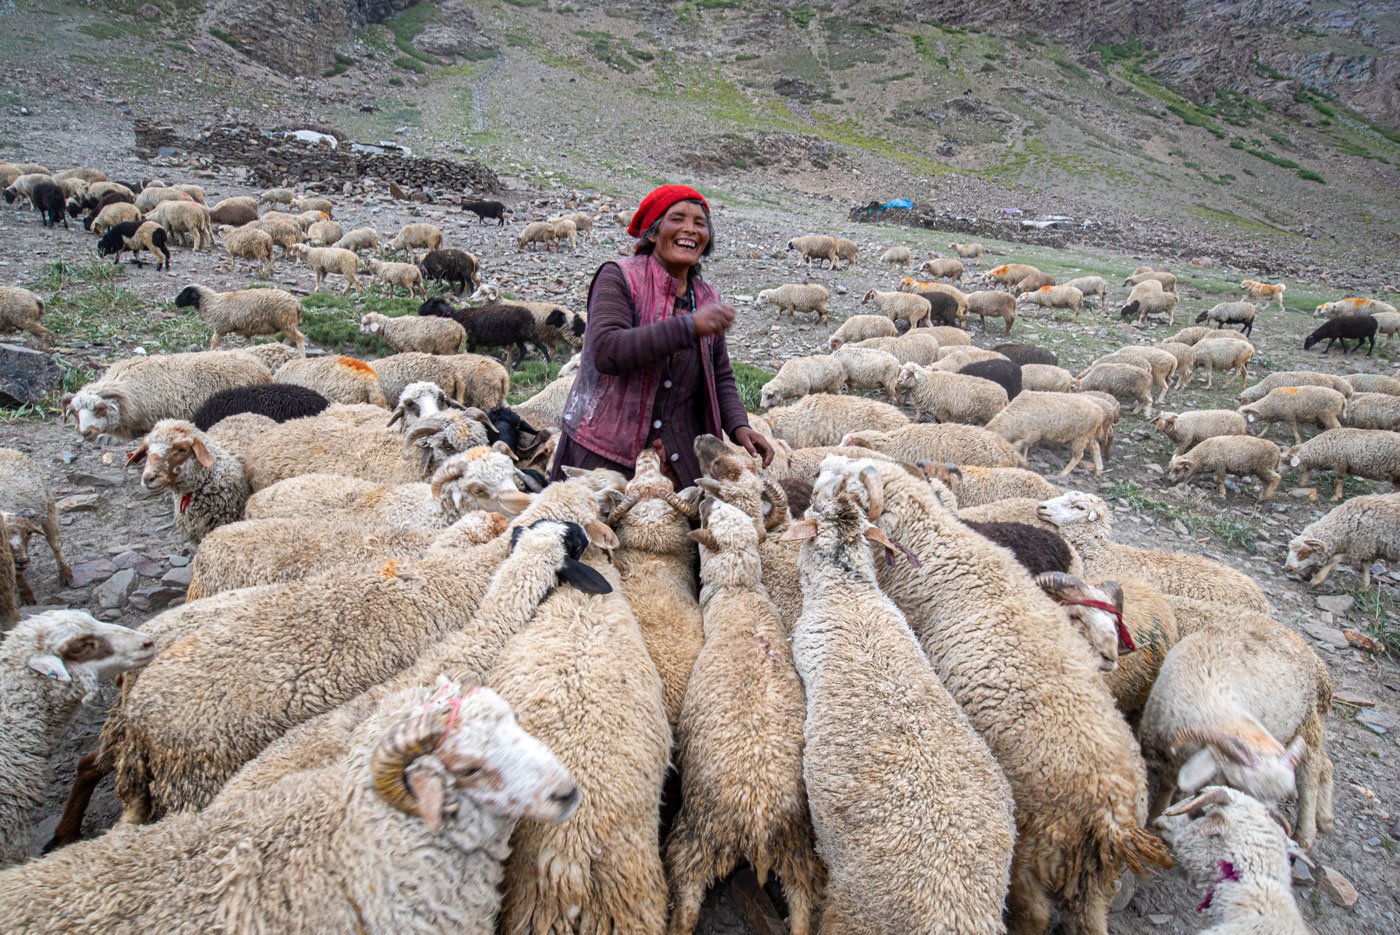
658	202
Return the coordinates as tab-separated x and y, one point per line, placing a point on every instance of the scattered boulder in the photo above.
26	376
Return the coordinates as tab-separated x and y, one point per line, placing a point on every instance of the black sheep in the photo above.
486	209
122	238
457	268
944	308
1004	373
1039	550
278	401
799	496
96	207
520	436
1360	328
1023	354
1130	310
92	205
497	324
52	204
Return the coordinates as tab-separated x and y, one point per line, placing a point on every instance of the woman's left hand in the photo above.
755	444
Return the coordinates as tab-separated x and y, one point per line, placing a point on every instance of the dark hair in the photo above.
647	241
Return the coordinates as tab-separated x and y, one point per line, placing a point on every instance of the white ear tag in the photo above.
49	666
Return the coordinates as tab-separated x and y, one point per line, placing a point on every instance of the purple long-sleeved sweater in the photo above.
618	346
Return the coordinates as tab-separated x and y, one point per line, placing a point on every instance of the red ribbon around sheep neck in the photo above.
1124	636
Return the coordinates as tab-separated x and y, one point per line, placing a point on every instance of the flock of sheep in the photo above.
414	686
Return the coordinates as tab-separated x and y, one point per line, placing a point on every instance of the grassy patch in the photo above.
105	313
1234	532
333	321
1311	176
533	376
1378	616
224	37
105	30
407	25
750	381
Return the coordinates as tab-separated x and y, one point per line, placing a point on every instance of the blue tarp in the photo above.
904	203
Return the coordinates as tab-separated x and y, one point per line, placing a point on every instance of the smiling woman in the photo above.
655	368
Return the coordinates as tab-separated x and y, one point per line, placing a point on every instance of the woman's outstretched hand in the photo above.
714	318
755	444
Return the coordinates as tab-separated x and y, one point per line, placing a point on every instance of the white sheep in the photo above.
407	831
1237	849
798	297
1240	455
740	736
1319	405
1146	274
824	419
897	256
20	310
918	347
415	237
541	232
50	664
1033	419
974	609
426	334
402	275
361	238
114	214
565	230
1148	298
817	247
1358	532
1360	452
939	396
206	482
847	250
1231	313
246	312
1188	429
1243	705
250	243
1009	274
1091	285
326	260
340	379
802	376
135	393
1053	297
1353	306
870	369
968	251
182	219
900	305
325	233
942	268
861	328
1161	364
1122	381
1372	411
995	303
960	444
1046	378
1185	355
1294	378
929	850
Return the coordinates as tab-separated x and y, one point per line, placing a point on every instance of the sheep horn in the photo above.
1194	807
774	493
424	427
688	510
405	743
447	472
398	414
1056	582
875	491
619	511
1227	745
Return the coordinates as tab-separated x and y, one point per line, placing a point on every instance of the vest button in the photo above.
667	384
656	424
675	457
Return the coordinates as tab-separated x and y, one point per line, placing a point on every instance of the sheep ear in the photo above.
709	486
800	531
878	536
428	792
586	579
704	537
600	534
50	667
513	502
1197	771
201	453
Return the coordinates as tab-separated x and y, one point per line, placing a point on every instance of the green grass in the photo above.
407	25
1120	52
223	37
533	376
1234	532
1311	176
750	381
1378	616
333	321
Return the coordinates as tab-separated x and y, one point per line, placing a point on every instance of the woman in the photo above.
655	367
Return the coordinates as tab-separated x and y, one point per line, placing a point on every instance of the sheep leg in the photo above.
1341	476
26	593
296	336
1309	774
1089	913
214	341
1076	455
1365	575
1271	480
1220	481
802	887
1297	437
1008	326
1097	453
1326	570
691	867
1210	377
1028	901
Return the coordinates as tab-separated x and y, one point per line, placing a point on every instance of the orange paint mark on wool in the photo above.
390	569
357	365
1000	271
1044	288
1290	390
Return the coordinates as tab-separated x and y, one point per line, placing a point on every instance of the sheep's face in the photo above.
1305	556
1166	421
728	542
1101	629
166	450
1247	758
71	647
371	324
97	413
1180	466
1072	508
1250	413
19	527
1222	828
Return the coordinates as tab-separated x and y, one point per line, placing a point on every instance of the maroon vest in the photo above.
610	414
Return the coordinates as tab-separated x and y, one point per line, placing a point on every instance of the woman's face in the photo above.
682	237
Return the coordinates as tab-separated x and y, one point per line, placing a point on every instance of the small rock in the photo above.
1337	887
86	573
156	598
1373	719
143	565
83	479
1363	642
178	576
178	561
113	592
1325	634
1302	876
26	375
1355	699
110	615
82	503
1159	918
1338	604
